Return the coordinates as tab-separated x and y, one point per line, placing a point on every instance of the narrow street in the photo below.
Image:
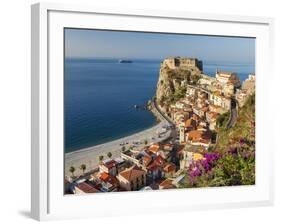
233	114
173	134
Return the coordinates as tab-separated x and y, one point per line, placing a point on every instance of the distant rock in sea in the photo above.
125	61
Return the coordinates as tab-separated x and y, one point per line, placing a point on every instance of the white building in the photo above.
221	101
182	133
190	91
227	77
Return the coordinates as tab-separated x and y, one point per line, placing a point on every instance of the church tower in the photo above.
182	133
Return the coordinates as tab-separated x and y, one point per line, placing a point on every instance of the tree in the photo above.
145	142
180	92
123	148
83	168
109	154
72	170
101	158
222	120
195	78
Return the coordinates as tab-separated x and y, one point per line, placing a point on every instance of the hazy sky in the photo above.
115	44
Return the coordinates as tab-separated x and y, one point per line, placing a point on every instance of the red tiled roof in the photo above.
199	136
158	162
104	177
110	164
132	173
166	184
87	188
146	160
154	148
154	166
169	167
195	134
108	178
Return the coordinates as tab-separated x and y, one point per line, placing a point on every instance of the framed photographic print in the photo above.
161	111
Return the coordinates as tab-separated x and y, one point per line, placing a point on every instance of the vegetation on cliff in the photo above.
173	96
232	162
172	83
243	128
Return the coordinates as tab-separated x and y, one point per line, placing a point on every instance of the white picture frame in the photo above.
48	201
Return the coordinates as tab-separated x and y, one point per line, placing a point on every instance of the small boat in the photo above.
125	61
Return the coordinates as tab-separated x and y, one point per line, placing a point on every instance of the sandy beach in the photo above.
90	156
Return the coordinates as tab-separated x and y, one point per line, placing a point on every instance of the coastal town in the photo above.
189	106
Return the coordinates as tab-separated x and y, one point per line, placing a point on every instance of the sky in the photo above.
88	43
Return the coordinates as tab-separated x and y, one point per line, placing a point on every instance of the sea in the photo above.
100	97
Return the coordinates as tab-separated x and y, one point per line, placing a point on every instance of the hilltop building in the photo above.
180	62
228	78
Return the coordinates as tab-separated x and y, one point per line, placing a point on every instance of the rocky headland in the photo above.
174	74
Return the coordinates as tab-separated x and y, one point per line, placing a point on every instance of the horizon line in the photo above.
158	59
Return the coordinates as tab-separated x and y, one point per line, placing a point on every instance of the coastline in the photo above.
90	155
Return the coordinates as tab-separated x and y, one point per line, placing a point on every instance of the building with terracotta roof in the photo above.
108	182
154	148
197	137
155	169
132	179
109	166
169	169
85	188
146	160
166	184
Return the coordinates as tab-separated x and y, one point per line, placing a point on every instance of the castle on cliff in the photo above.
183	62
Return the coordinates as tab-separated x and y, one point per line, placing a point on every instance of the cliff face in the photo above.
174	74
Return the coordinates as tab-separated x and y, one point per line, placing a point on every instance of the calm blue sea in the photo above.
100	95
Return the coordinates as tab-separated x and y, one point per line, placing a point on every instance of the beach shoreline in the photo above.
90	155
